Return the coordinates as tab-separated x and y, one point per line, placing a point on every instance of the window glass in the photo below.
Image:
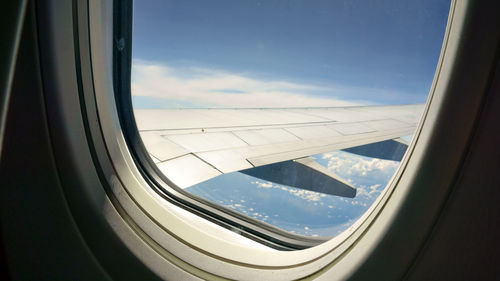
313	93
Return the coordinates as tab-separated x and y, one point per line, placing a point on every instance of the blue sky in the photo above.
350	52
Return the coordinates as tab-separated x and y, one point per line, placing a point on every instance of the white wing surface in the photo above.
193	145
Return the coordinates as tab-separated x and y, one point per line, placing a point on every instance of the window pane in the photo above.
273	108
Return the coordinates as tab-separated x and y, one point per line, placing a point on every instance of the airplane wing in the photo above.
193	145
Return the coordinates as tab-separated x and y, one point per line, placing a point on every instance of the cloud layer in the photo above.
303	211
218	88
369	175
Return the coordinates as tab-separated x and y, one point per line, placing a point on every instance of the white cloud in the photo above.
304	194
218	88
369	175
263	184
349	164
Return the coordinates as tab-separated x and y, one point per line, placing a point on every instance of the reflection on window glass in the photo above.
295	113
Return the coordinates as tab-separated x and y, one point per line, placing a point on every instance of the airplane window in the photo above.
295	114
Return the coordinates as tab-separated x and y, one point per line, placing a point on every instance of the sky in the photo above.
288	53
284	53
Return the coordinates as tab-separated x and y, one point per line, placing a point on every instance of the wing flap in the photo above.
187	170
304	173
161	148
325	145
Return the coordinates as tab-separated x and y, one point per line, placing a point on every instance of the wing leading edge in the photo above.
193	145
